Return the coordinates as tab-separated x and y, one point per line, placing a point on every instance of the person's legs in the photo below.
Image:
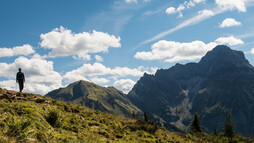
21	85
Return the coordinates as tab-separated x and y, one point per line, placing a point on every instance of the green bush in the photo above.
143	125
1	90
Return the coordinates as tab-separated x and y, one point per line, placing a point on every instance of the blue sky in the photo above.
113	42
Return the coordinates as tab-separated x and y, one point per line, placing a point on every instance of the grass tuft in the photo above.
54	118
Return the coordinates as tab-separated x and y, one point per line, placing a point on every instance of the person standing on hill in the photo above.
20	78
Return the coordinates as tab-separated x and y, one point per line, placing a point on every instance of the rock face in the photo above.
106	99
222	81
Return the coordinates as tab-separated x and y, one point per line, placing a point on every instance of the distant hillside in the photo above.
34	118
222	81
106	99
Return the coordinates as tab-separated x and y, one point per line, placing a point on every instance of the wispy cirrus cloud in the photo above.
115	17
222	6
202	15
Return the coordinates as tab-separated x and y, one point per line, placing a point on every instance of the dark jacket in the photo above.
20	77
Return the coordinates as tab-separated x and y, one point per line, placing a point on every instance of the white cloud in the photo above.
15	51
86	70
231	41
222	6
131	1
252	51
125	71
98	69
181	7
37	88
135	1
171	51
199	1
124	85
170	10
8	84
40	75
98	58
205	13
232	4
229	22
99	80
64	42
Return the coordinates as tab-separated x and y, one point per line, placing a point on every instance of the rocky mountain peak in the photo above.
222	81
222	55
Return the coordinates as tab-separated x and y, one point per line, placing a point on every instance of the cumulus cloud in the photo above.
171	51
229	22
171	10
181	7
99	80
231	41
98	58
232	4
40	75
16	51
124	85
64	42
252	51
98	69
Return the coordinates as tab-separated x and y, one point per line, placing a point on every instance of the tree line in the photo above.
228	128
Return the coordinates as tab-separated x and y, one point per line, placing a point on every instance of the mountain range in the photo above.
221	82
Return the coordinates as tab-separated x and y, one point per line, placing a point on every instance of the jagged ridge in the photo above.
222	81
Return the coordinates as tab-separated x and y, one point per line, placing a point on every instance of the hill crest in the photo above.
107	99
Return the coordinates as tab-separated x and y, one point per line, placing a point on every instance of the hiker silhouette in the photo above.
20	78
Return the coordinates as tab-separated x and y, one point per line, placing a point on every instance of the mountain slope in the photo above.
222	81
107	99
33	118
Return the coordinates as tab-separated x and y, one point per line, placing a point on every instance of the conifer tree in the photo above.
133	115
145	117
229	127
195	126
215	131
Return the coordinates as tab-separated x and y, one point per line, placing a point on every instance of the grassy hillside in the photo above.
34	118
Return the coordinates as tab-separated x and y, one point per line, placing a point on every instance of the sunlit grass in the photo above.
27	120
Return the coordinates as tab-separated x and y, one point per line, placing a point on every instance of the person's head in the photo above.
19	69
